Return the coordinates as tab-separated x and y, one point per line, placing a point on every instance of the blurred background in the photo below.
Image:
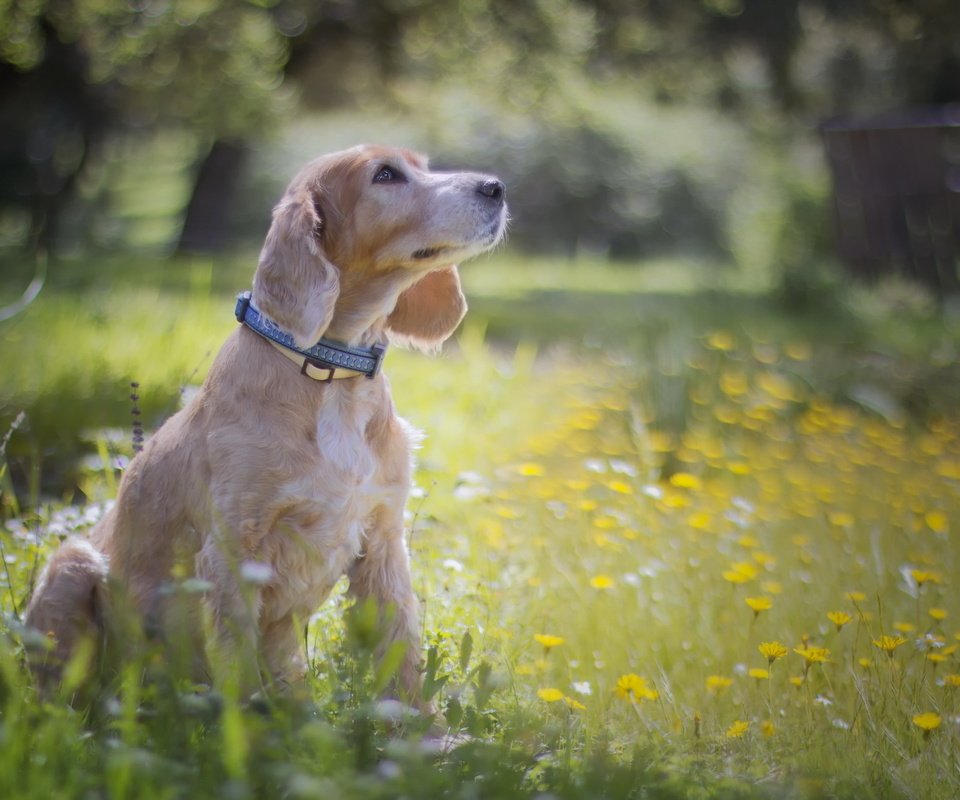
625	129
700	162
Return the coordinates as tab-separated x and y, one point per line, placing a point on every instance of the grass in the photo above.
623	495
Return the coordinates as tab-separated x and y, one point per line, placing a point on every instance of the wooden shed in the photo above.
896	192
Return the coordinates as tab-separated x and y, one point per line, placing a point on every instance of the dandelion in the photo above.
684	480
952	680
717	684
839	618
632	687
741	572
758	604
841	519
721	340
925	576
772	651
759	674
531	470
856	597
601	582
939	614
767	728
745	568
550	695
813	655
738	729
796	680
904	627
889	643
927	722
548	641
573	705
936	521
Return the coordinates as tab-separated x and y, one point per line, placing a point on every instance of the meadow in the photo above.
673	538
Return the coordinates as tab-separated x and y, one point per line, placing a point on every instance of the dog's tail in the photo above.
67	606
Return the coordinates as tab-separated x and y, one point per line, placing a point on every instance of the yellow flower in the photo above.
716	684
813	655
633	687
856	597
573	705
531	470
734	384
841	519
738	729
866	663
548	641
745	568
889	643
952	681
927	722
904	627
939	614
759	674
759	604
550	695
735	577
936	521
926	576
721	340
767	728
684	480
796	680
772	651
601	581
838	618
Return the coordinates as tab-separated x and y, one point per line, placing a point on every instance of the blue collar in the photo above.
324	354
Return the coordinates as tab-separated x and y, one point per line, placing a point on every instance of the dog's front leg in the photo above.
233	605
382	573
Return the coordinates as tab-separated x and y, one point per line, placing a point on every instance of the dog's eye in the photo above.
388	175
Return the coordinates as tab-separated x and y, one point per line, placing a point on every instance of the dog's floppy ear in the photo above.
429	311
296	285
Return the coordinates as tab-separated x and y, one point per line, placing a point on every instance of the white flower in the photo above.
256	572
582	687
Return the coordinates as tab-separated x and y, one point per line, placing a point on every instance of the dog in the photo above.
290	467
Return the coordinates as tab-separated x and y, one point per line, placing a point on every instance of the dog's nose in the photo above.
493	189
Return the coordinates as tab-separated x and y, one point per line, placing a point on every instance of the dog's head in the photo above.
371	233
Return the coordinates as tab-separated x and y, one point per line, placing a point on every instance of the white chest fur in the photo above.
327	511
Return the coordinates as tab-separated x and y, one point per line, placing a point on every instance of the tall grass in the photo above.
606	528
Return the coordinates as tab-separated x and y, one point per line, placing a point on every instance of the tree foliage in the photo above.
74	73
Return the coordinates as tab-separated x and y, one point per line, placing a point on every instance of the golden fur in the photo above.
270	486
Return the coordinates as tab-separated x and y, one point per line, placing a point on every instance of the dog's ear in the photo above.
429	311
296	285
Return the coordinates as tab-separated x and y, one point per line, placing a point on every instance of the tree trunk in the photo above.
206	225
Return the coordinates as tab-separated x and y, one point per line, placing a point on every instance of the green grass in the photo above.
615	459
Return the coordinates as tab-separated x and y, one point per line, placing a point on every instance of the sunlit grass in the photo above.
699	554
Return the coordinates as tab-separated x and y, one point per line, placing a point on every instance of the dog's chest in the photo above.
330	507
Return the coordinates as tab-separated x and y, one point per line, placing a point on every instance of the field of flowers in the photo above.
769	590
705	573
